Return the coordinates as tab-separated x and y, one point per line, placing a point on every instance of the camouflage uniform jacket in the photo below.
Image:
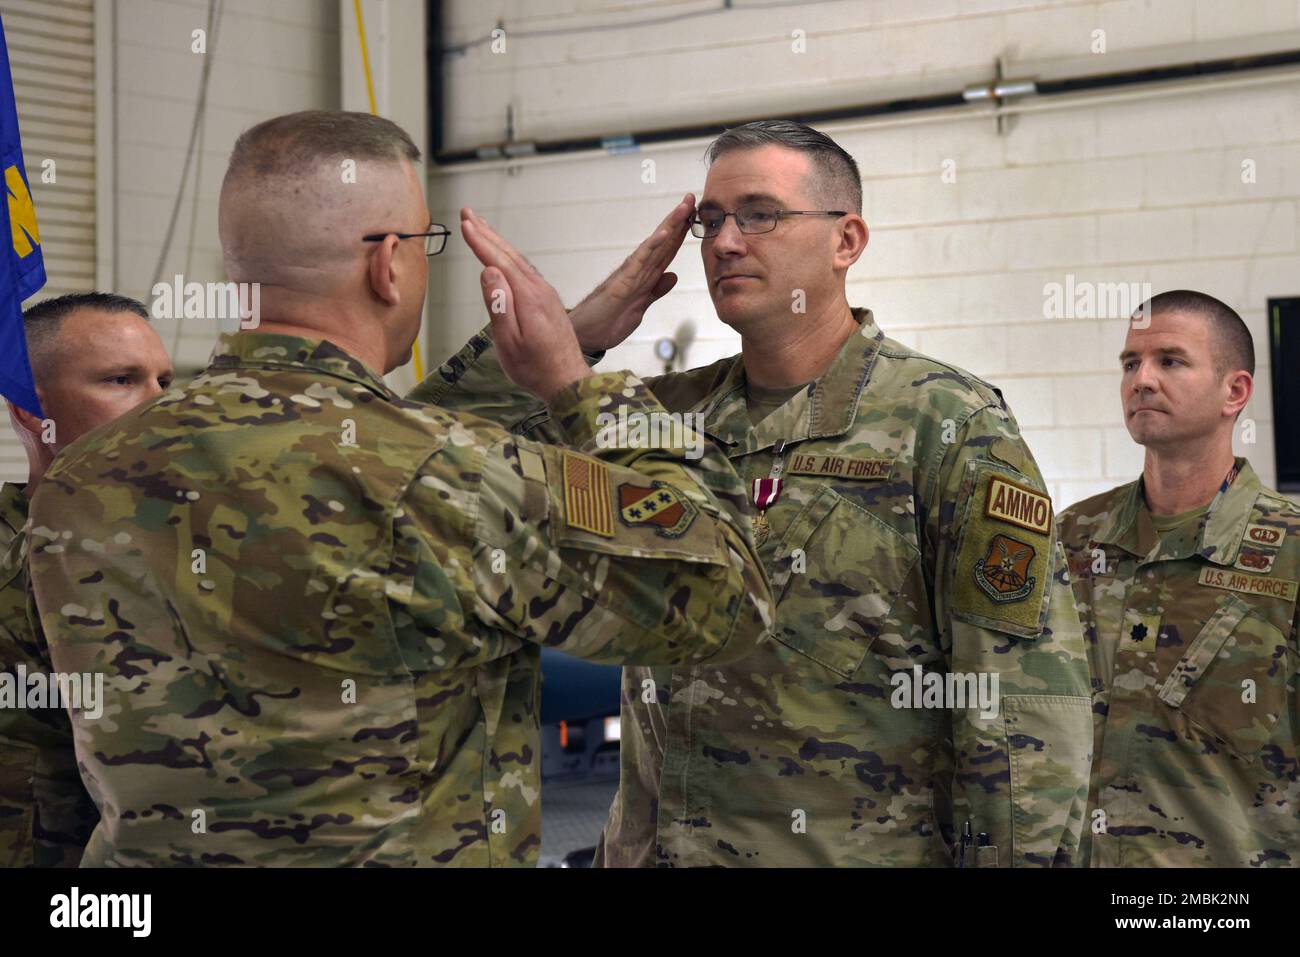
912	540
46	816
320	608
1192	640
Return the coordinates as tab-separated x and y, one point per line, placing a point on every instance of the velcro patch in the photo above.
1256	560
1264	536
841	466
660	506
586	495
1248	584
1002	574
1018	505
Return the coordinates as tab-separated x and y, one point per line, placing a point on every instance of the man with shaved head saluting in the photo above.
320	608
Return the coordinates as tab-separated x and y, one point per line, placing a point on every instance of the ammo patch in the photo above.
1003	572
586	495
1001	577
1248	584
841	466
662	507
1018	505
1264	536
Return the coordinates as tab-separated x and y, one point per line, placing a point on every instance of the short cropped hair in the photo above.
838	182
42	320
1235	347
291	143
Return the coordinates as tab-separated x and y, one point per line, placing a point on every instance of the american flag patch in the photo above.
586	495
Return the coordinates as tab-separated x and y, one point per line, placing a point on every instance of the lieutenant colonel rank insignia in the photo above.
1003	572
662	507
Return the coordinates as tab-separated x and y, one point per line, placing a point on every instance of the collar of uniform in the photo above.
827	408
13	507
1129	525
243	350
1229	516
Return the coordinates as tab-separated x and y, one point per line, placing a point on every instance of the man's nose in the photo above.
730	241
1144	378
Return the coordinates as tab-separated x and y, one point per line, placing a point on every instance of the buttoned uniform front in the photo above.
46	816
893	554
1192	638
319	609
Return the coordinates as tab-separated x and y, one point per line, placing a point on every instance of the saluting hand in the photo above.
614	309
535	341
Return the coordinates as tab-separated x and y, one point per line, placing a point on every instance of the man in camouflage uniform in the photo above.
94	356
1186	581
911	544
320	608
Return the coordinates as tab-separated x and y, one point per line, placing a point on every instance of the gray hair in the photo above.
837	179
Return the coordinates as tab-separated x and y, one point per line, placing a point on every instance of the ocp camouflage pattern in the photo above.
890	549
320	608
46	816
1192	638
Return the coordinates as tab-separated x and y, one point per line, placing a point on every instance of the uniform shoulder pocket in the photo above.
838	572
1005	540
1232	682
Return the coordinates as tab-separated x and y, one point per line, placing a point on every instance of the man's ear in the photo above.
853	236
1240	387
382	271
22	419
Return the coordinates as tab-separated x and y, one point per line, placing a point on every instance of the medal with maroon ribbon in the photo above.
766	491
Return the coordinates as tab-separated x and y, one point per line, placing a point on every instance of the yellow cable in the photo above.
370	92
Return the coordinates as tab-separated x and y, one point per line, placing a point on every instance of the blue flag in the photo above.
22	268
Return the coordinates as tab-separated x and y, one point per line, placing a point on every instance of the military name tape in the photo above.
1248	584
841	466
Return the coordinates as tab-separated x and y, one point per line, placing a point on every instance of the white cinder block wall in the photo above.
1127	190
1133	190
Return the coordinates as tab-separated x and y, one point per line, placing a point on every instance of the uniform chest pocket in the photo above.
1232	683
838	572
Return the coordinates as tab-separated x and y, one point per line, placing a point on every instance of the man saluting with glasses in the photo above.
925	701
319	608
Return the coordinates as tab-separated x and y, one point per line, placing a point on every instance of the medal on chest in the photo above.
765	492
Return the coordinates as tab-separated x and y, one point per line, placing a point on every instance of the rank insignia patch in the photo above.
1003	572
664	508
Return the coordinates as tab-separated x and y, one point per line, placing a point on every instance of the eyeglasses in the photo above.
750	218
434	240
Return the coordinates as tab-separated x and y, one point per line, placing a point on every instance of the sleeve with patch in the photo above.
1003	569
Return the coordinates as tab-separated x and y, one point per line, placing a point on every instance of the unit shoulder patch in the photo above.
1003	572
1005	549
662	507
